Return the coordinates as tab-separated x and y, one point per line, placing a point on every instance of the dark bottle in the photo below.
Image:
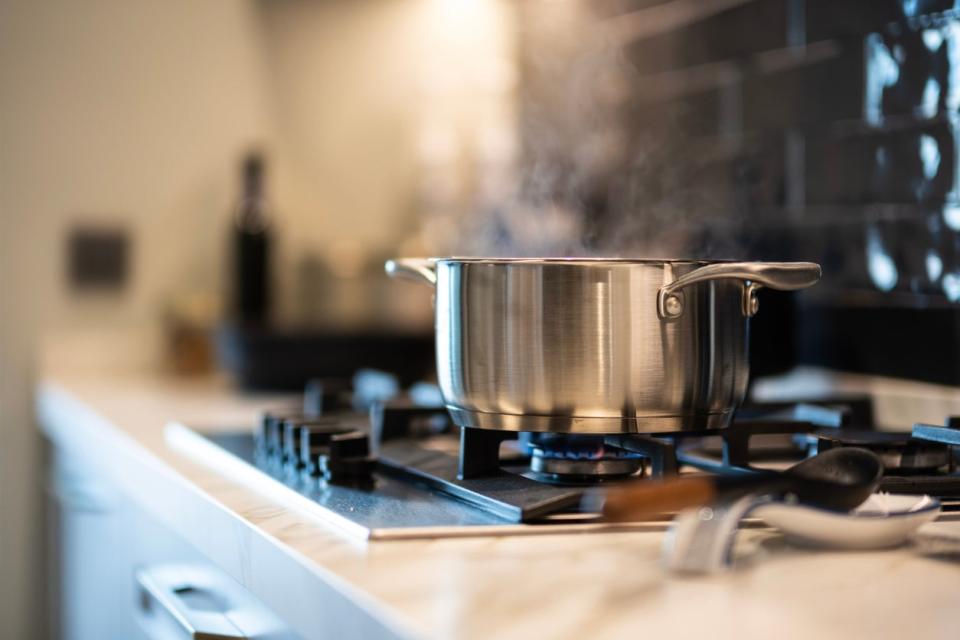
251	247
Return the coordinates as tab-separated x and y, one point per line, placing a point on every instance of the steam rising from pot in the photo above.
606	164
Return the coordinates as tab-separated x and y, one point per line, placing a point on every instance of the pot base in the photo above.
582	424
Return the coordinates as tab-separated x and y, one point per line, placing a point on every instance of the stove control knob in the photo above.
290	452
269	437
315	437
261	436
348	460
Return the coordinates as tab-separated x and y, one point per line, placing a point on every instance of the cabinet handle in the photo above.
180	601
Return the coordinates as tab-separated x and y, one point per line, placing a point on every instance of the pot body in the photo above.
581	346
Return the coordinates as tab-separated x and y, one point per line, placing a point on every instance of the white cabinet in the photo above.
117	573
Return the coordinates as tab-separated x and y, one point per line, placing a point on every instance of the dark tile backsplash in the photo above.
805	87
913	162
809	129
709	40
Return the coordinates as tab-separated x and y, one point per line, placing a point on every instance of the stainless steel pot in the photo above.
595	346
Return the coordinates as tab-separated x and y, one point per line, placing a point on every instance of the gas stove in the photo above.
381	462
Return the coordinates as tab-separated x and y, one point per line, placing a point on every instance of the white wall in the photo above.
367	97
135	112
356	87
130	111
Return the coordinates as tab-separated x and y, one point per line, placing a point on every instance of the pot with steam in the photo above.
577	345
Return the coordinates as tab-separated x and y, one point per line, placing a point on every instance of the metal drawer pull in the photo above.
169	602
191	601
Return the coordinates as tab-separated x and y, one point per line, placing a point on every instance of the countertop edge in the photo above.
252	557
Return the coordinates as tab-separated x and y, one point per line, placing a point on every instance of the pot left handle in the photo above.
418	269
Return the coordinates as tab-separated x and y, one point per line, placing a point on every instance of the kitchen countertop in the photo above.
596	585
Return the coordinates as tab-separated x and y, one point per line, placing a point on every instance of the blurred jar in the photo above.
189	326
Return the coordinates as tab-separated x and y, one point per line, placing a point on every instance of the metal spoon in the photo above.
700	541
837	479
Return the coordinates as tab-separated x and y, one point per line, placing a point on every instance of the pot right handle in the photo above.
784	276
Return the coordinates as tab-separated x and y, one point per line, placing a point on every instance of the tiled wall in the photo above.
817	129
822	130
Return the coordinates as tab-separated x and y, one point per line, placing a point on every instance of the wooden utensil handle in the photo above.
644	499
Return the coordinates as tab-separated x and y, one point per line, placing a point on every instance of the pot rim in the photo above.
582	260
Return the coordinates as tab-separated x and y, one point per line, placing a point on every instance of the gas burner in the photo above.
901	453
566	459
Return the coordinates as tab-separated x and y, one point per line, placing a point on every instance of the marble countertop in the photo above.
596	585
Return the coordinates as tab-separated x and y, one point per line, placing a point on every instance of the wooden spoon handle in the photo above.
643	499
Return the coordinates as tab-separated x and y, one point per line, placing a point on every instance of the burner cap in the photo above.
567	459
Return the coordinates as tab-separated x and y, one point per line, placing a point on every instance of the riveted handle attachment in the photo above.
783	276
